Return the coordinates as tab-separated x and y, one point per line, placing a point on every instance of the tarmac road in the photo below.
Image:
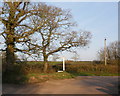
78	85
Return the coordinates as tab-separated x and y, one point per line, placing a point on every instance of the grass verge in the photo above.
37	77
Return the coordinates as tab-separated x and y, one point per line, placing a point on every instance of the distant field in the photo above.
114	62
60	62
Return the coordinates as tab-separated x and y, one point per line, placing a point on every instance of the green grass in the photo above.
42	77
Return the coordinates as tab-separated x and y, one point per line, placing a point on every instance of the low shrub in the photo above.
20	70
97	69
15	75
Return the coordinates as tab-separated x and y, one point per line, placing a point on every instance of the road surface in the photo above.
78	85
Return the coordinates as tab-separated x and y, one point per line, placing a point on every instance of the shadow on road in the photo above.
104	84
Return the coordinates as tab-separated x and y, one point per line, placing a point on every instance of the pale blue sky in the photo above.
100	18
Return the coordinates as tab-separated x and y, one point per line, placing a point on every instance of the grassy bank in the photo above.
36	77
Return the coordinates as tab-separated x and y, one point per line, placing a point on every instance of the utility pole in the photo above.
105	52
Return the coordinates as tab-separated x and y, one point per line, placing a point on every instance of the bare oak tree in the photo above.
56	33
16	28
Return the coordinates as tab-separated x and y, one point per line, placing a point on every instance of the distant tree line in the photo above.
113	52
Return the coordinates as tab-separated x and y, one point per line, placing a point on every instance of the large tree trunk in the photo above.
10	57
10	35
46	65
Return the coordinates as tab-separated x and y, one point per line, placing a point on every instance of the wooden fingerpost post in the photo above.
63	63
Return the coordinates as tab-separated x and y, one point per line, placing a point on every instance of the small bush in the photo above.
16	75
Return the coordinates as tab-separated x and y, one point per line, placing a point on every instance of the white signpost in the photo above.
63	64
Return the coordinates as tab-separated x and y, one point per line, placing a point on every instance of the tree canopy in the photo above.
38	28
